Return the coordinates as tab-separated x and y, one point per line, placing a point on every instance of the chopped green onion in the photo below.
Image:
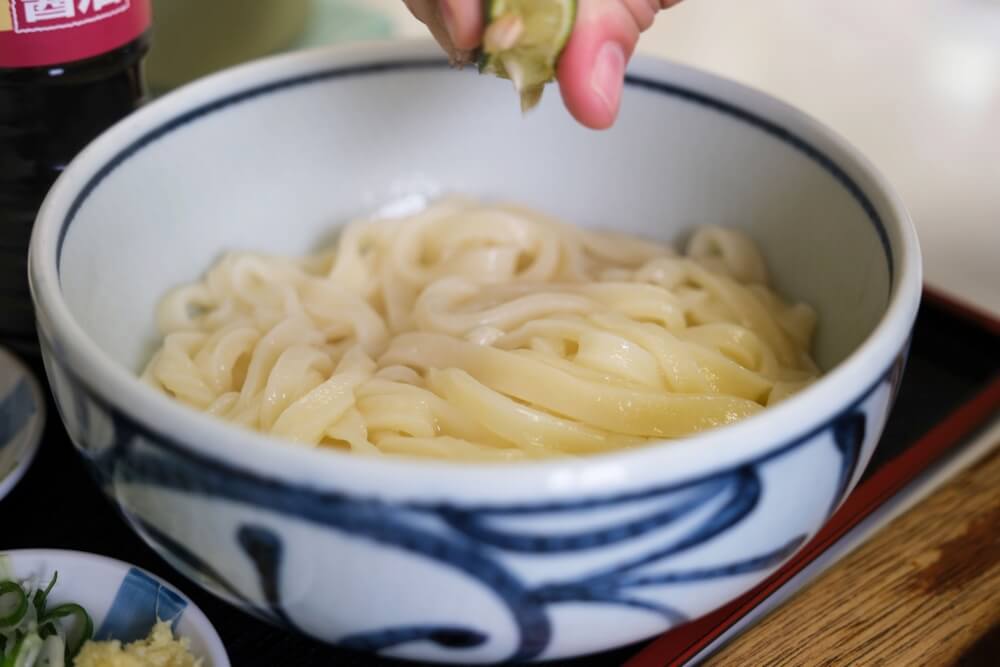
53	653
42	595
31	646
66	610
20	607
10	659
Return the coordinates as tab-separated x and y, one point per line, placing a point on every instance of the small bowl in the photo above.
123	601
22	419
436	560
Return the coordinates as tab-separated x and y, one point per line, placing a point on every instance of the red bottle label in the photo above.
35	33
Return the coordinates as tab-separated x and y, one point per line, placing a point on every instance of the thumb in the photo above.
592	66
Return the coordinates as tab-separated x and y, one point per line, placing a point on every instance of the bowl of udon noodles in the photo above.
360	348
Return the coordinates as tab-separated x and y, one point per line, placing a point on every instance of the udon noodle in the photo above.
481	332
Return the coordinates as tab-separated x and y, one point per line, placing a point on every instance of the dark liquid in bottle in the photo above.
47	115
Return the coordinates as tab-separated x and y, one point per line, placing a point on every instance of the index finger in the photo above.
464	22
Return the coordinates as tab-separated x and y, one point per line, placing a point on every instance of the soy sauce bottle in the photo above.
69	69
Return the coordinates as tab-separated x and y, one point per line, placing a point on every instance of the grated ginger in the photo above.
160	649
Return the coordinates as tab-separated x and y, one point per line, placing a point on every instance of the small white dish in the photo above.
123	601
22	419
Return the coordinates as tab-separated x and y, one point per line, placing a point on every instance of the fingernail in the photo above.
448	16
608	76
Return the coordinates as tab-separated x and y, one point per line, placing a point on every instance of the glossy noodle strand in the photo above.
485	333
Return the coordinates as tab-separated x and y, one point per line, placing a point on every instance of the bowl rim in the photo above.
192	613
811	410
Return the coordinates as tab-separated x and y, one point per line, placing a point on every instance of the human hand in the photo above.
591	70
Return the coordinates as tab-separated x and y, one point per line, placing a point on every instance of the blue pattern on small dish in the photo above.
16	408
124	602
140	603
22	418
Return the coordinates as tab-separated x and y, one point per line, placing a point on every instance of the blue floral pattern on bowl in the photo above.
451	573
649	552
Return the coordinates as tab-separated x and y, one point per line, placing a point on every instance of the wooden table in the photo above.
923	591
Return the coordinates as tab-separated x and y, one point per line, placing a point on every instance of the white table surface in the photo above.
915	84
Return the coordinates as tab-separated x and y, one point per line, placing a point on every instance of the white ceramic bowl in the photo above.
466	563
22	419
124	601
